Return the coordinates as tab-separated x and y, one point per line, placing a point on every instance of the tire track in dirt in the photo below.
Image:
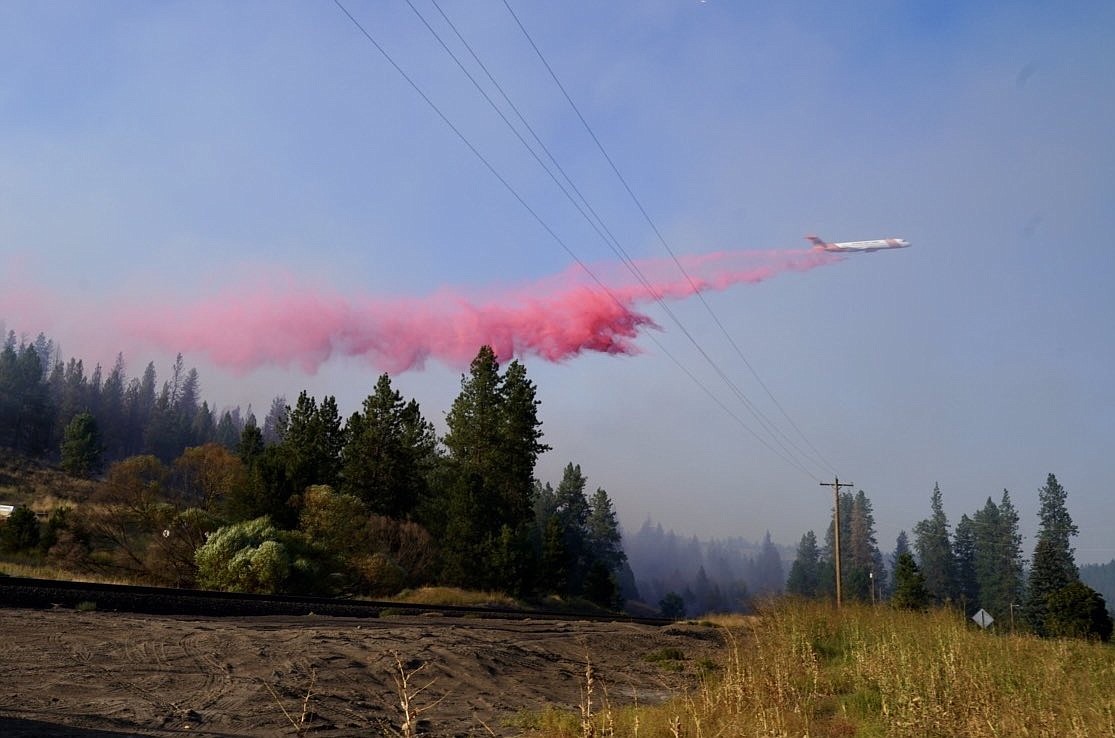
227	677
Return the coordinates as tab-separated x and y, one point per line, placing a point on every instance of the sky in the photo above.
260	187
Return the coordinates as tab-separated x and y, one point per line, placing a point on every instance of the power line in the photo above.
785	456
601	228
659	235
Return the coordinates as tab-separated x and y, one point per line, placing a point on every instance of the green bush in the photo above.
1078	611
255	556
21	531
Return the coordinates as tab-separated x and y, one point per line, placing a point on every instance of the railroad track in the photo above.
51	593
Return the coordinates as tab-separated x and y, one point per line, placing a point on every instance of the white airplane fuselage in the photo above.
861	246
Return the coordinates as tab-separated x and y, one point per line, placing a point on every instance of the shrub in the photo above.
255	556
1078	611
21	531
672	606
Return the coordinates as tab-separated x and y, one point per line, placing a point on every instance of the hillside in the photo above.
41	487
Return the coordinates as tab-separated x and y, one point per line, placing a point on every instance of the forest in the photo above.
378	502
307	501
978	566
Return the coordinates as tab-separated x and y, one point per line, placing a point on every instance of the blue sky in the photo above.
155	151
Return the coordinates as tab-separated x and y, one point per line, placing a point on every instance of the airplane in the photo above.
861	246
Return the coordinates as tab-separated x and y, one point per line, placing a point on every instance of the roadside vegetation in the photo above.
801	668
158	490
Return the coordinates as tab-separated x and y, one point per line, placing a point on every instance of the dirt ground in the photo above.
87	674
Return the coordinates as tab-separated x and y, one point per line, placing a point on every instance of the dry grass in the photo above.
47	571
41	487
453	597
801	669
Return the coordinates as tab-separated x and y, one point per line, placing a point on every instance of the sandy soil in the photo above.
67	673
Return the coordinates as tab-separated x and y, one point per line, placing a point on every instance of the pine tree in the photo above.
572	514
998	557
226	434
604	538
768	568
493	442
862	556
313	442
81	447
901	546
804	572
381	463
112	416
964	549
521	442
275	423
934	552
1053	566
909	585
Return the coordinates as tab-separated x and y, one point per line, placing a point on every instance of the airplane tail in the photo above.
817	243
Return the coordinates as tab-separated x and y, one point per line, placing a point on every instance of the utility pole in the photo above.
836	484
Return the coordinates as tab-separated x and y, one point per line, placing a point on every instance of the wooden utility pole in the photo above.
836	484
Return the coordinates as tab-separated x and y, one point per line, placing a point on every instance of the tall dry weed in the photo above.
805	669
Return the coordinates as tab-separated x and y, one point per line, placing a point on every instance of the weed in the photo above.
667	653
407	693
668	657
85	606
299	725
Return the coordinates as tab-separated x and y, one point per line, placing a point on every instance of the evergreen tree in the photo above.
21	531
204	429
147	394
934	552
768	569
161	436
382	461
187	406
605	541
521	442
112	419
571	511
1078	611
804	576
964	549
862	556
1053	566
228	435
909	584
313	442
25	408
553	566
998	557
901	546
81	446
275	423
493	442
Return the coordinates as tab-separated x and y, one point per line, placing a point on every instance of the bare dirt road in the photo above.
99	674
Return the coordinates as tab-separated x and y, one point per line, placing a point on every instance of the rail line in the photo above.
24	592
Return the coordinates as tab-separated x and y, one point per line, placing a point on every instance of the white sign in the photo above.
983	618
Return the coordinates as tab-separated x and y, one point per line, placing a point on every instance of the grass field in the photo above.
802	669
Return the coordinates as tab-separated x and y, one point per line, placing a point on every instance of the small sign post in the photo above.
983	618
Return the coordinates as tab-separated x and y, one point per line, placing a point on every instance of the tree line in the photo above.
41	395
309	501
979	565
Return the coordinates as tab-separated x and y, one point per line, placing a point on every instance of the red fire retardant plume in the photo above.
553	319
